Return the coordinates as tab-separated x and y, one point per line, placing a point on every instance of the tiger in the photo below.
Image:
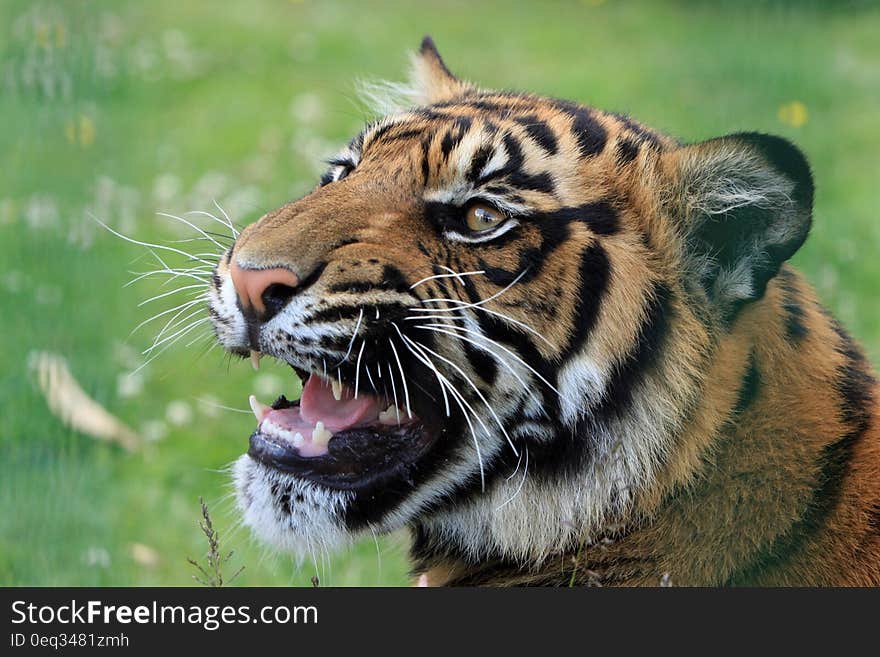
556	347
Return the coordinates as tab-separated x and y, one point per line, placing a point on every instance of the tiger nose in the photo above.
263	291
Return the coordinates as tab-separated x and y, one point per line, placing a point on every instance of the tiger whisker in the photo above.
201	336
496	314
502	347
473	386
179	333
472	305
357	368
454	392
501	360
394	390
515	470
228	220
442	389
194	286
458	275
452	275
370	377
208	402
518	488
148	244
184	305
217	219
174	322
414	318
172	274
353	336
167	346
191	225
444	385
402	378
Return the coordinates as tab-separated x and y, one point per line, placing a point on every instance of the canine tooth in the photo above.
390	415
258	408
298	440
320	435
336	385
255	359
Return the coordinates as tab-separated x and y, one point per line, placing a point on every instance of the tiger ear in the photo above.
745	201
430	79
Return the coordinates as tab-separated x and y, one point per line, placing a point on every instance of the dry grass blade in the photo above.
211	574
74	407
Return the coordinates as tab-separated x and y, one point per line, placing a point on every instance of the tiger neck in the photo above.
745	487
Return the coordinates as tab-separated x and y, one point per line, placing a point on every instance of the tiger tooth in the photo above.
336	386
255	359
390	415
298	440
320	435
258	408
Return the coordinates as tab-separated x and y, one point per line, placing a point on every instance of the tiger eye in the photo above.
481	216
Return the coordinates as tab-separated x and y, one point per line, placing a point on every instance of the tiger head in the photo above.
501	307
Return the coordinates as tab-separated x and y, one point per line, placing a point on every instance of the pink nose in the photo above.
251	285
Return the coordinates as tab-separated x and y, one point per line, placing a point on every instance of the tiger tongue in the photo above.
318	404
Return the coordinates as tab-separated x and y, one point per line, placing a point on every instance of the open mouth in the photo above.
336	436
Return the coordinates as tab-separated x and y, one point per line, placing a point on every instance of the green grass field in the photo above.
124	109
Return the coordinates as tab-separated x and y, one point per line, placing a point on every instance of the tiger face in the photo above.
485	299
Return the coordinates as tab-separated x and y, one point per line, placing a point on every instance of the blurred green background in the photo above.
125	109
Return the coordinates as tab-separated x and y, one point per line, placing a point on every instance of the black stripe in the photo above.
626	151
479	160
648	346
595	274
600	216
426	164
339	313
483	364
854	385
641	132
512	169
590	134
454	135
399	135
748	389
540	132
379	133
795	328
217	317
538	182
514	155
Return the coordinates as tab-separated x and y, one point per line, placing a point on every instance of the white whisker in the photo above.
147	244
168	294
452	275
402	378
470	305
394	390
353	336
184	306
193	226
208	402
479	394
518	488
178	334
444	384
430	364
428	327
357	368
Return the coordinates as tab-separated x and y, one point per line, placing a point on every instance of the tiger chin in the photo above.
558	346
